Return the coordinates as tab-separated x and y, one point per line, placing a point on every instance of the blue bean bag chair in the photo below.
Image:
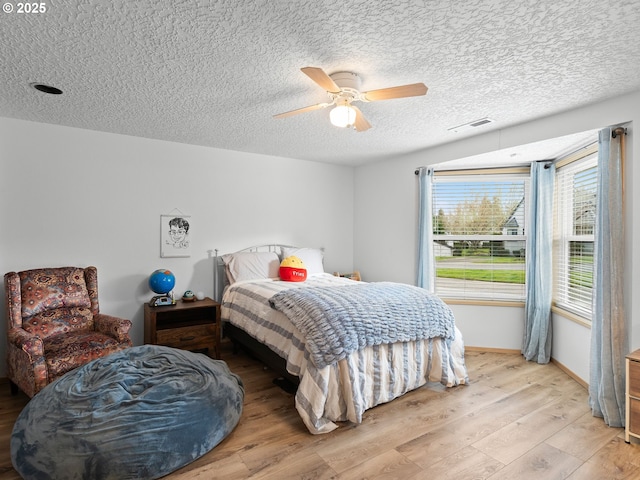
137	414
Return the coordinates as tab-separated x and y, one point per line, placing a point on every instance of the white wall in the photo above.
385	238
490	327
77	197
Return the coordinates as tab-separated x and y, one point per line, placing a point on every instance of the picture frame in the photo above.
175	235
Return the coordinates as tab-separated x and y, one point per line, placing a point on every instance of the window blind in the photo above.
479	231
575	211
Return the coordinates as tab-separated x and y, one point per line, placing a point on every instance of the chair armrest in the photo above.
115	327
30	344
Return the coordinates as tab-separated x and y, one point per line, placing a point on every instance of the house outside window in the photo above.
479	236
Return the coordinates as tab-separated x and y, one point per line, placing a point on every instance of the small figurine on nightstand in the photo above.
188	296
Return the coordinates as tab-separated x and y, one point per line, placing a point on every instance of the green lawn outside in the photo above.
502	260
500	276
484	259
578	277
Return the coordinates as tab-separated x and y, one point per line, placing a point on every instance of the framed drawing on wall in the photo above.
175	235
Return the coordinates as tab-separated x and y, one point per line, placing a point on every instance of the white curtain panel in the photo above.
609	338
426	268
536	344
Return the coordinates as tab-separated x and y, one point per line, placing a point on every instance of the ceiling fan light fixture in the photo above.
344	88
343	116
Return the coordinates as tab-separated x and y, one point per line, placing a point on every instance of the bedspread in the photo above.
339	321
344	390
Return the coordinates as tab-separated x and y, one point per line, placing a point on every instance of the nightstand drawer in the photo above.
634	379
634	416
191	326
632	396
198	336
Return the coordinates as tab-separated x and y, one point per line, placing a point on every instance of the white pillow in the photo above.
251	266
311	257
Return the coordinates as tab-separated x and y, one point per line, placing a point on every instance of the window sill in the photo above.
571	316
505	303
488	303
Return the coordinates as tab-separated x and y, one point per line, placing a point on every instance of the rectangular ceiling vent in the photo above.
471	125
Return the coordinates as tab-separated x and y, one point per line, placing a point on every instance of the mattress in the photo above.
344	390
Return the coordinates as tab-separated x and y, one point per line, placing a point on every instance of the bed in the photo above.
378	346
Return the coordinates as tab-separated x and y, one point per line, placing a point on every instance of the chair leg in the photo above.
14	388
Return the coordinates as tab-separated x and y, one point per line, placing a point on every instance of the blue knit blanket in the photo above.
337	321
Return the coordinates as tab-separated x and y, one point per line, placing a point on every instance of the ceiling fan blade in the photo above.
361	124
321	78
310	108
412	90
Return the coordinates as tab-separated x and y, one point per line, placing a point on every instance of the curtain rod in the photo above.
619	131
482	170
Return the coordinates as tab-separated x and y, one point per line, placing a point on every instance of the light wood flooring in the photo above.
515	420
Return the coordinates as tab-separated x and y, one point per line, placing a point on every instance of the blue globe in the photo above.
162	281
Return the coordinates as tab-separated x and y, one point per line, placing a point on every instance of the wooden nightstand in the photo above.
191	326
353	275
632	416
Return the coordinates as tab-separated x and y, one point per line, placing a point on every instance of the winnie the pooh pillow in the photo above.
292	269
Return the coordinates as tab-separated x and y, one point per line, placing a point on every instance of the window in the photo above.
479	233
575	205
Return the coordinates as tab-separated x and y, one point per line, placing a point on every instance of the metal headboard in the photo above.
219	274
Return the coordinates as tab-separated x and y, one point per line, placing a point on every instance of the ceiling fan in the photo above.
343	89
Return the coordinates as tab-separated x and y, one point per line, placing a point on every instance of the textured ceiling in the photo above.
214	72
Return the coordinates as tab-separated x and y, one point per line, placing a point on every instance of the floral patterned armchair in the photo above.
55	325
